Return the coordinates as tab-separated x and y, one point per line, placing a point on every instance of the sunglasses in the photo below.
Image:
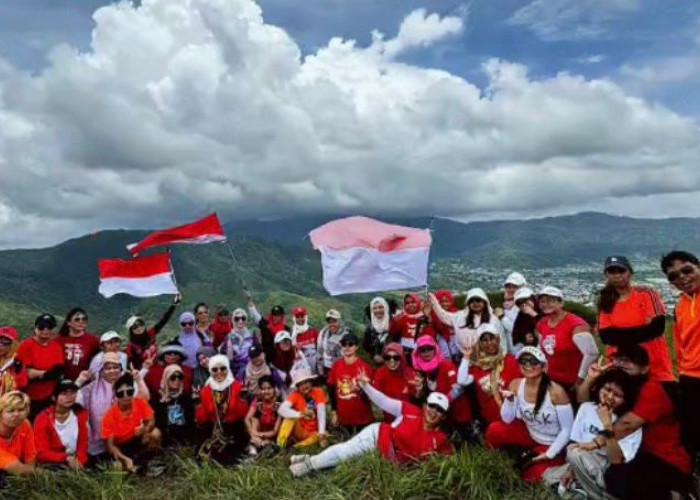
348	344
125	393
219	369
44	326
437	408
187	323
685	271
239	318
615	270
79	318
389	357
426	348
5	341
525	361
177	376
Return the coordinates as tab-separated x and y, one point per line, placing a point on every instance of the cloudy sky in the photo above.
153	113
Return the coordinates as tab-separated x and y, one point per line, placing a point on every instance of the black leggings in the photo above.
647	476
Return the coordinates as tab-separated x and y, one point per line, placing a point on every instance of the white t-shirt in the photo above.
68	433
588	424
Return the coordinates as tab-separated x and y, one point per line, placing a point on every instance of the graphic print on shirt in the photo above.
549	343
176	415
74	353
540	418
347	388
485	384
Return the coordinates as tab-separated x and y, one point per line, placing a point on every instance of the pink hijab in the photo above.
418	363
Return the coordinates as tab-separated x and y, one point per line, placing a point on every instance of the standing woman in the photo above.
17	449
633	315
203	324
536	415
509	311
142	340
566	341
394	377
13	376
377	331
525	324
191	339
79	346
444	334
221	326
305	337
237	344
404	327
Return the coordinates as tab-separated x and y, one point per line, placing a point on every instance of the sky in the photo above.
152	113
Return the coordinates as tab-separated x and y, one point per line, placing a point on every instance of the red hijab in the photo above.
440	328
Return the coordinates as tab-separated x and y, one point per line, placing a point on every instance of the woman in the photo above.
43	359
129	428
173	408
435	374
443	334
525	324
565	339
377	331
595	447
238	343
286	359
630	314
17	449
61	431
257	369
171	353
416	437
203	324
394	378
191	339
544	417
221	326
328	348
404	327
466	321
79	346
304	414
270	326
221	414
13	376
489	369
305	337
142	340
200	375
509	311
109	342
262	421
96	397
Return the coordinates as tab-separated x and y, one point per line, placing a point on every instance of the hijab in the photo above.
299	329
166	393
254	373
217	361
379	325
426	366
483	360
397	348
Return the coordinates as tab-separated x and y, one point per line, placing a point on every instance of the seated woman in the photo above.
17	449
129	428
171	353
415	437
109	342
173	408
61	431
257	369
544	416
286	360
394	378
595	447
263	421
304	413
221	414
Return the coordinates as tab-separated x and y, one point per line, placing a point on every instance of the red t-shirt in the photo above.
661	434
353	406
396	384
307	339
442	379
40	357
312	400
638	309
266	413
409	441
557	343
490	410
78	351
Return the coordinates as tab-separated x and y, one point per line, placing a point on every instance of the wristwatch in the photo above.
606	433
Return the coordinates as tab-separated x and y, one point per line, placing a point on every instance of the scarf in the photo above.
7	380
445	331
275	327
166	393
255	373
299	329
379	325
426	366
283	360
217	361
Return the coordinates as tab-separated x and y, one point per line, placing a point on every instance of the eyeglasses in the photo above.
527	361
219	369
127	393
426	348
177	376
79	318
685	271
239	318
389	357
187	323
437	408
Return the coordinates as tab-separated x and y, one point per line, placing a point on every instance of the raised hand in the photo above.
605	415
149	361
362	378
177	299
505	394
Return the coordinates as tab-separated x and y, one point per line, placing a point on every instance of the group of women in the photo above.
526	377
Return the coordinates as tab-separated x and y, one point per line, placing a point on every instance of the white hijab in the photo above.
379	325
217	361
299	329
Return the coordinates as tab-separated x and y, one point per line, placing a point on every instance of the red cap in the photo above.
9	332
299	311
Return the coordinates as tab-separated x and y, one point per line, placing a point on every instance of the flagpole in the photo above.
235	264
172	271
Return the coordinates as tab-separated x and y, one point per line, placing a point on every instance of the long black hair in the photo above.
542	388
63	332
485	314
630	387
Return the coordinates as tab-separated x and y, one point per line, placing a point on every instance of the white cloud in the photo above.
593	59
554	20
184	106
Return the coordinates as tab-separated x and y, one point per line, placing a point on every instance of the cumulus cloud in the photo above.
184	106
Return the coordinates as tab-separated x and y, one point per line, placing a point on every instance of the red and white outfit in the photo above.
304	337
396	384
352	406
404	325
78	352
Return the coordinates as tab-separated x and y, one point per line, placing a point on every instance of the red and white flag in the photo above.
140	277
206	230
360	255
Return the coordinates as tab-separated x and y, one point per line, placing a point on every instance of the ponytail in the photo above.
545	384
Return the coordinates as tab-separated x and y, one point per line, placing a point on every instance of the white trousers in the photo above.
363	443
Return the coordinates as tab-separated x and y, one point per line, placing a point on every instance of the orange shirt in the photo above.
20	447
686	333
638	309
121	427
299	403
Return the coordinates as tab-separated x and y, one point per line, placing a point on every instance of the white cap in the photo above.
477	293
132	321
534	352
439	399
282	335
299	376
333	313
487	328
551	291
516	279
523	293
110	335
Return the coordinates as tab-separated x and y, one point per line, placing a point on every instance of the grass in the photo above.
472	473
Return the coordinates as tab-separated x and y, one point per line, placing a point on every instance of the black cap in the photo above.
349	337
635	353
63	385
254	351
45	320
618	261
277	310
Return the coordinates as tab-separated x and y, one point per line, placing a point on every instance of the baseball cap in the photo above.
523	293
618	261
299	311
551	291
333	314
45	320
516	279
132	321
534	352
438	399
277	310
635	353
282	335
8	332
110	335
255	351
349	337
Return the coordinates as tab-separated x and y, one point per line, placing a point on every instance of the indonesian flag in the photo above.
360	255
141	277
206	230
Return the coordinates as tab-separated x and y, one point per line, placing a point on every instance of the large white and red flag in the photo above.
360	255
140	277
206	230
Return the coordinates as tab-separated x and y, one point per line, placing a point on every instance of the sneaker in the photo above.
252	451
297	459
300	469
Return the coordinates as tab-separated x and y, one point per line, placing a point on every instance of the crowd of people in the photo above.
526	377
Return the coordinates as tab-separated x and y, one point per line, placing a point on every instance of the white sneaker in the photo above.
297	459
300	469
252	451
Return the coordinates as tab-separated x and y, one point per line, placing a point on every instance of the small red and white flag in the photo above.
360	255
140	277
206	230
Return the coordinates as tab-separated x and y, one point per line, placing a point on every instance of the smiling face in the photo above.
489	344
139	328
611	395
124	394
202	314
285	345
113	345
78	322
378	310
477	305
530	367
550	305
300	320
257	361
685	276
392	360
304	387
111	372
433	415
267	392
175	381
333	325
218	373
426	352
410	305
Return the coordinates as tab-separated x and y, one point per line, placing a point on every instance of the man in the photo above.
682	269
